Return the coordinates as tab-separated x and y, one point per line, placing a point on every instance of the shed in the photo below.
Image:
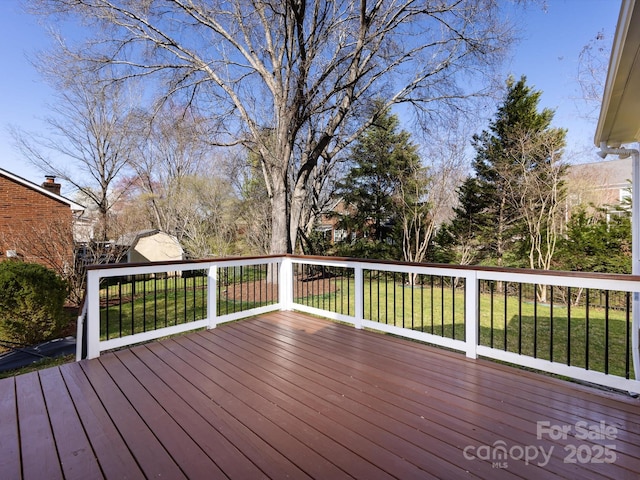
151	246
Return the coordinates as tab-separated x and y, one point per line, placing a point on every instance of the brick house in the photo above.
36	222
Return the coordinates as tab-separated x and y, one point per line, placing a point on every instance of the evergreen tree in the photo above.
598	242
382	159
511	203
461	241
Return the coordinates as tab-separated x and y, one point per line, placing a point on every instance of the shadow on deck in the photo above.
286	395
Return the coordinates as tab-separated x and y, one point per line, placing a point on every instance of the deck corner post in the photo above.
212	298
92	320
285	284
359	295
472	314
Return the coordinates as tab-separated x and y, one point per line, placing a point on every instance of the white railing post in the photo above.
358	286
80	330
92	321
212	296
285	284
472	317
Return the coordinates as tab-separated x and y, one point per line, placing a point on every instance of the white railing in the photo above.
89	328
361	290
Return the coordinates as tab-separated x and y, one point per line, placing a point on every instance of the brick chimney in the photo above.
51	185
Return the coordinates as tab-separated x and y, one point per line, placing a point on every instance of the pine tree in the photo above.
508	208
382	158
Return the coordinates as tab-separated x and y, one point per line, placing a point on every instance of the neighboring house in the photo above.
599	183
328	222
36	222
151	246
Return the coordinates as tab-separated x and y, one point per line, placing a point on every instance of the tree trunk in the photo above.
297	205
280	243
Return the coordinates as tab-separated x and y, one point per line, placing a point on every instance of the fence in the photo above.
575	325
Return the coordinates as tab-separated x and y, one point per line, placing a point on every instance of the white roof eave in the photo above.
619	120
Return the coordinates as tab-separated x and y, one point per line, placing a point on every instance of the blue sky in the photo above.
547	54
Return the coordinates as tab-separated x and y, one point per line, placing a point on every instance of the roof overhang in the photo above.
619	120
75	207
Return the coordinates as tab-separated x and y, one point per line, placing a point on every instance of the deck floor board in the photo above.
36	438
9	439
287	395
77	458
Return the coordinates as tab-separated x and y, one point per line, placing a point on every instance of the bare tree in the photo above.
254	212
303	70
429	194
416	215
88	143
593	62
170	148
537	190
49	243
210	227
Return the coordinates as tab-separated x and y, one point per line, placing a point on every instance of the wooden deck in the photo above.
290	396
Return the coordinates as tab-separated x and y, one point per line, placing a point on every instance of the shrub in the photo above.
31	302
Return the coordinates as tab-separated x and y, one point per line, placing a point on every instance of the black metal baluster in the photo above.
106	313
386	316
133	301
477	306
413	278
586	332
194	278
155	301
506	326
464	309
433	313
441	305
166	300
627	349
120	306
395	298
551	326
321	287
535	321
253	269
386	299
241	290
422	303
491	288
568	325
144	303
519	318
184	294
606	332
349	293
175	298
402	284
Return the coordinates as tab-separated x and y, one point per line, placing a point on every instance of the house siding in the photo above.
26	217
